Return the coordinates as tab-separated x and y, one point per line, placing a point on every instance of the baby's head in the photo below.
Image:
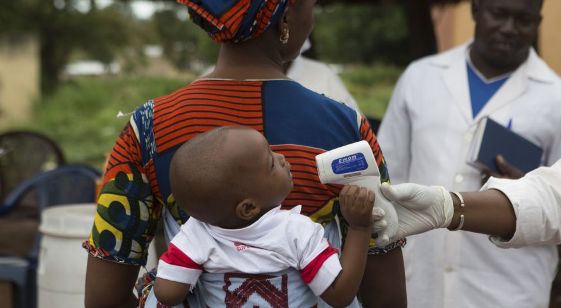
229	177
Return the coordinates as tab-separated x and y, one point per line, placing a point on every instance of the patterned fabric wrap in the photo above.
235	20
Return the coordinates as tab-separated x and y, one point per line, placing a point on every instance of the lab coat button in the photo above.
459	178
468	137
449	269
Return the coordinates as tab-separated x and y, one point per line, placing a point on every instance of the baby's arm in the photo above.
180	266
356	206
170	292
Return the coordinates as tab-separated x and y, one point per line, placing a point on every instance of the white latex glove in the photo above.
387	226
380	227
419	208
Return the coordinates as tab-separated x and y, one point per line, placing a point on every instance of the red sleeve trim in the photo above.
309	272
175	256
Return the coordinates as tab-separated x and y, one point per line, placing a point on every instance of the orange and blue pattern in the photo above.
297	122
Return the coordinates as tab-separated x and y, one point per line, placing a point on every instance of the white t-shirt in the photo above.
279	240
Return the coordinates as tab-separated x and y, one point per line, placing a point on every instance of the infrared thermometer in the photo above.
354	164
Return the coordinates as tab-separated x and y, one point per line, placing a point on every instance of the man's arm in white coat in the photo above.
394	134
536	200
521	212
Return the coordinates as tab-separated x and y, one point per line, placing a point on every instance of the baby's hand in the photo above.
356	206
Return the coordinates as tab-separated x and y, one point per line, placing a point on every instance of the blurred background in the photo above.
68	67
73	70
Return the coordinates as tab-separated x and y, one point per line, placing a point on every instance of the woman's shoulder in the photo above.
292	91
280	88
297	115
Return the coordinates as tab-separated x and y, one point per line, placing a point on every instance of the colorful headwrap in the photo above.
235	20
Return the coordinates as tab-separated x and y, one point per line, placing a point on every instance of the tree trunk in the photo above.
93	5
421	29
53	58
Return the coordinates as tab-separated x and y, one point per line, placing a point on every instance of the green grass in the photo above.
82	114
371	87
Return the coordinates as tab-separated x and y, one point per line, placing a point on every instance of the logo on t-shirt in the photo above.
241	246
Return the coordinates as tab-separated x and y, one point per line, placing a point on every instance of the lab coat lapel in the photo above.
533	69
455	79
513	88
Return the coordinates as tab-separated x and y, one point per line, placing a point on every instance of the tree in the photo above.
61	29
420	27
362	33
184	44
422	39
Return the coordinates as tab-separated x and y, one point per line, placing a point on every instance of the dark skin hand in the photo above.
508	171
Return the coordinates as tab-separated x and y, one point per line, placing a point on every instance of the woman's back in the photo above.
297	122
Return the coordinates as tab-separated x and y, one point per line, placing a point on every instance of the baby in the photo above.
248	250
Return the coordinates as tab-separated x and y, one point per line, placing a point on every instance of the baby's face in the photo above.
277	179
268	178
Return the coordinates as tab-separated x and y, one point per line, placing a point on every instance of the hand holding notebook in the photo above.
492	139
506	170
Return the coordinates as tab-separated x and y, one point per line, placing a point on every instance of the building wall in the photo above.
454	26
19	78
550	38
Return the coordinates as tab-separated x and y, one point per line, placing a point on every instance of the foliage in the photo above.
347	31
82	114
183	42
371	86
361	34
63	28
343	34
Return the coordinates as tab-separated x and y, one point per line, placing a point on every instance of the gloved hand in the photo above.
385	220
380	227
419	208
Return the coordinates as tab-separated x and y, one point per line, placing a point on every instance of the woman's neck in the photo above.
248	60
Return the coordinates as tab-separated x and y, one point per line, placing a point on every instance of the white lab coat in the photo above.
425	137
536	199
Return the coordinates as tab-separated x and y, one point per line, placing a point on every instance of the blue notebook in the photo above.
492	139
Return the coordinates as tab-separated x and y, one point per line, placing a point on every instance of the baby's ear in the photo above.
247	209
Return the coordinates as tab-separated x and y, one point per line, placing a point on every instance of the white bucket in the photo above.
61	273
